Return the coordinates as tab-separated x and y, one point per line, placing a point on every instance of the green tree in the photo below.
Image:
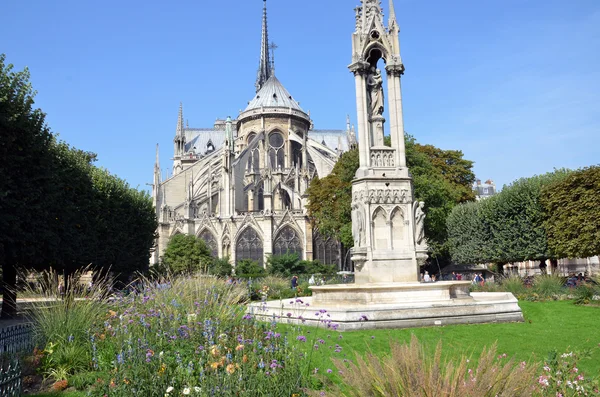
330	199
186	254
508	227
573	208
25	174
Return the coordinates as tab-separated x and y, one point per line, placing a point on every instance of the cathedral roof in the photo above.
198	140
273	94
333	139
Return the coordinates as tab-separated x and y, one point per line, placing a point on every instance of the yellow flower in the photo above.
215	365
230	369
112	313
239	347
214	350
245	359
162	369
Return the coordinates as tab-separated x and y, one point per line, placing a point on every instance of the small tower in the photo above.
179	143
387	224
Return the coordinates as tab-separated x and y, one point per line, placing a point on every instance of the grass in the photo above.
552	325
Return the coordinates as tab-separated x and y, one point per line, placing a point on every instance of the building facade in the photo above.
241	185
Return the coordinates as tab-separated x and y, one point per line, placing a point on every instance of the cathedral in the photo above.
241	185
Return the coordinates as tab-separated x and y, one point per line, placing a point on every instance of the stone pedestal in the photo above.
392	305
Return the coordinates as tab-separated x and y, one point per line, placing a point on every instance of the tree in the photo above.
441	179
508	227
186	254
220	267
330	199
25	174
573	220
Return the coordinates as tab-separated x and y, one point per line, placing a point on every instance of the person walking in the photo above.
294	282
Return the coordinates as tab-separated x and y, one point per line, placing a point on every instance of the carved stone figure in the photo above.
358	225
419	217
375	92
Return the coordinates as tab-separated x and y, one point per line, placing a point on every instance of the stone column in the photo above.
362	118
397	134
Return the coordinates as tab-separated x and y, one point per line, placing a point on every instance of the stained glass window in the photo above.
249	246
287	242
210	242
325	250
276	150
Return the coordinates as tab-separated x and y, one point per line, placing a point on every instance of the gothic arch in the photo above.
397	226
276	149
325	249
380	228
226	247
288	241
249	245
210	240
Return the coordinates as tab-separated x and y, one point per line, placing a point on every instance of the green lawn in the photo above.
559	325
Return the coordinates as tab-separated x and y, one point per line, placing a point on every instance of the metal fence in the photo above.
13	340
16	338
10	380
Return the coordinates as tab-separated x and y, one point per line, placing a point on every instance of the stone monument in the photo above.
387	220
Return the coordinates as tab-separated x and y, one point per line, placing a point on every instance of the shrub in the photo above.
410	371
285	265
548	286
584	294
220	267
63	325
247	268
513	284
83	380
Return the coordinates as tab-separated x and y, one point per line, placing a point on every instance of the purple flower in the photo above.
329	371
363	317
247	317
301	338
289	314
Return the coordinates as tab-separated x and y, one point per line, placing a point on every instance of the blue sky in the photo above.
514	84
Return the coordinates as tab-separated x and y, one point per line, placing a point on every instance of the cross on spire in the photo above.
273	47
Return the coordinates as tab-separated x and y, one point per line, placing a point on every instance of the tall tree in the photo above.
24	168
508	227
573	221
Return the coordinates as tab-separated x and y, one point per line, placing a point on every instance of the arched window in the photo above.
325	250
276	150
296	154
249	246
260	197
210	242
254	157
287	242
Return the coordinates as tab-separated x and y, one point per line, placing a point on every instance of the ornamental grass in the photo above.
409	371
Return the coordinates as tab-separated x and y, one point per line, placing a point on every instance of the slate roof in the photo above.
200	137
273	94
330	138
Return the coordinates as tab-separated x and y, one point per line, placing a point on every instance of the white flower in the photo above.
169	389
161	354
186	390
197	389
191	317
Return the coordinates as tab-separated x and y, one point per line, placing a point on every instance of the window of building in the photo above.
210	241
325	250
287	242
249	246
276	150
254	157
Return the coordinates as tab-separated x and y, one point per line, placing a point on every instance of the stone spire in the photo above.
392	23
180	121
264	67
